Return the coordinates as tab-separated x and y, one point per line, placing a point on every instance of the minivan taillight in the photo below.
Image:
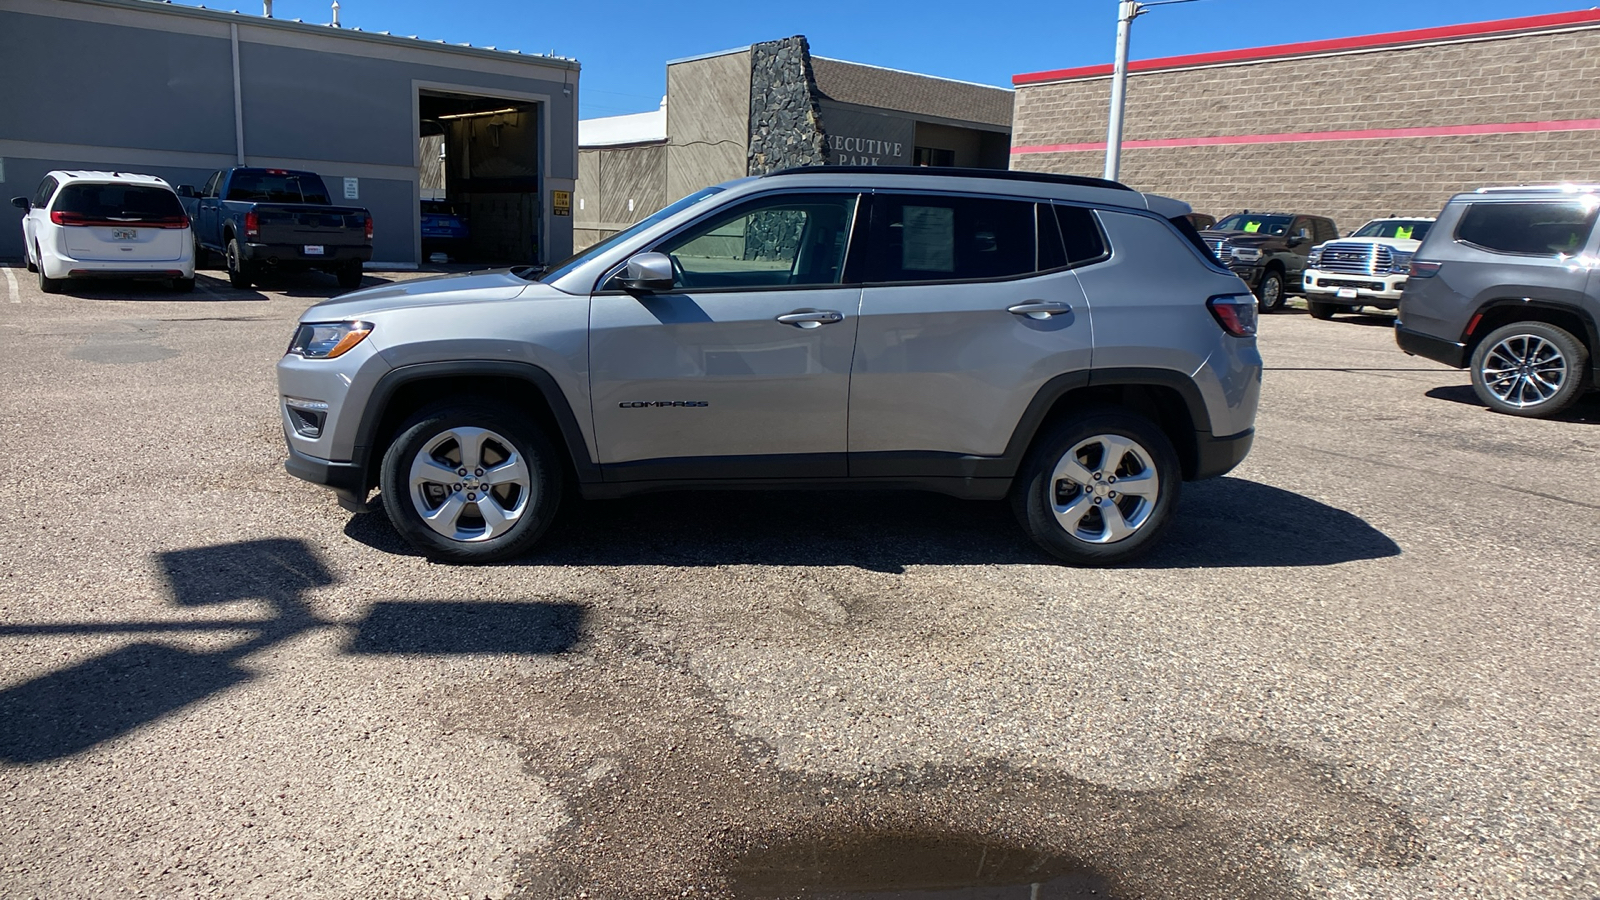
61	217
252	224
1236	313
369	229
1420	269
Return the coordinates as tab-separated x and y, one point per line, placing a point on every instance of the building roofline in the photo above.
712	55
1389	40
851	62
235	17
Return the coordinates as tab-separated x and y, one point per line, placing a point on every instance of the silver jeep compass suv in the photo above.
1065	342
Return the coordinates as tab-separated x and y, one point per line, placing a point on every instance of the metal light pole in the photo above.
1127	11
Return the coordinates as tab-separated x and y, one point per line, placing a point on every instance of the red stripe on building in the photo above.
1309	137
1337	45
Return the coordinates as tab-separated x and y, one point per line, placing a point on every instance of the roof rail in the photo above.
1550	188
957	172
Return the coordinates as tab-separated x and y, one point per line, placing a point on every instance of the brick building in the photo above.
1353	128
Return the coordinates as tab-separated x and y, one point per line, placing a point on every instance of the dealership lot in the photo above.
1361	665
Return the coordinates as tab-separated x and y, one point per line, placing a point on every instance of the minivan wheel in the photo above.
1529	369
1321	309
48	285
470	484
1269	293
1099	488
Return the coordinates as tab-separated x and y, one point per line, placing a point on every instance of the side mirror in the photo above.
21	203
648	272
186	190
1297	240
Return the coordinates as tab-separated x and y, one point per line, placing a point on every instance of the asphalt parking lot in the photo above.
1362	665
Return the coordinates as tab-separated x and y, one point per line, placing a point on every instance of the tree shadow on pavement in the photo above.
73	709
1222	523
1585	412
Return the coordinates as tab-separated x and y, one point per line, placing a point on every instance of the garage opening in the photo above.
481	184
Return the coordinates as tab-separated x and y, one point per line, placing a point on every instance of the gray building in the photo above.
178	91
770	105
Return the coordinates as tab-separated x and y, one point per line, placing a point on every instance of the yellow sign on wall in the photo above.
561	203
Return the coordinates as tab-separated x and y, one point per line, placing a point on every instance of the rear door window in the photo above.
118	203
1529	229
931	238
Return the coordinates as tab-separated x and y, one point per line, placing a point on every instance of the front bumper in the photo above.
295	256
1327	285
1218	455
348	480
1451	353
1249	274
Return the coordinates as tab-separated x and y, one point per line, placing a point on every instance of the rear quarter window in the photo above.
1528	229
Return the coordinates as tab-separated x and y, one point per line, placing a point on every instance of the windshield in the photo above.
1254	224
584	255
1400	229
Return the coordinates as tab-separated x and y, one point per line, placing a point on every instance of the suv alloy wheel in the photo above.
1529	369
1099	488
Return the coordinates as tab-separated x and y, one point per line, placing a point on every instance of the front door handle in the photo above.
1040	309
811	318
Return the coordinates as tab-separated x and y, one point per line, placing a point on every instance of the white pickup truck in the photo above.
1368	268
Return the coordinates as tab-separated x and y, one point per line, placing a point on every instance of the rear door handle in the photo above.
811	318
1040	309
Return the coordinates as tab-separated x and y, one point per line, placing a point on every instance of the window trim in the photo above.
862	198
1553	256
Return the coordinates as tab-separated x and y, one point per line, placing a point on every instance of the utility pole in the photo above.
1127	11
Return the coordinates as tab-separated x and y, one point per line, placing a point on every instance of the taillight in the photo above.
369	229
68	218
252	225
1420	269
1236	313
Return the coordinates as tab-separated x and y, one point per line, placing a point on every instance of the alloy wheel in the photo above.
1104	489
1524	370
470	484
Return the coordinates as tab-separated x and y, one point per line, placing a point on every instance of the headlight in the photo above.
1247	254
326	340
1314	258
1400	264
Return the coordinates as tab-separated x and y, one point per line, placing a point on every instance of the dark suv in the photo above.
1505	284
1268	250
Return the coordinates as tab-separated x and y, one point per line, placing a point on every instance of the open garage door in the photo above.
481	179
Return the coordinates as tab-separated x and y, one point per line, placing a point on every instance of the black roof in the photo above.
956	172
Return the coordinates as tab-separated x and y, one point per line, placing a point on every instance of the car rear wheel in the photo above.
350	275
239	271
471	484
1321	309
32	266
1269	293
1099	488
1531	369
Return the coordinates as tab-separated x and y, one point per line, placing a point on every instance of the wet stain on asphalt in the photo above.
666	798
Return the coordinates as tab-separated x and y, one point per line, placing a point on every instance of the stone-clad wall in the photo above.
1520	79
785	123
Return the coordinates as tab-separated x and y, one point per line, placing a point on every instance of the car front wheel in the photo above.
1321	309
471	484
1531	369
1099	489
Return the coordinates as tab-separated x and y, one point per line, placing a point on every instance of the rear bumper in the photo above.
1218	455
1451	353
295	256
348	480
58	266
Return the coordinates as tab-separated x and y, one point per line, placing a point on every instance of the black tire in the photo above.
349	275
1504	383
1321	309
1270	292
183	285
240	272
49	285
544	488
1036	494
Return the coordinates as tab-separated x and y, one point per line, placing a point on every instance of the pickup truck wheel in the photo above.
239	274
1321	309
1530	369
350	275
1269	293
1099	488
471	484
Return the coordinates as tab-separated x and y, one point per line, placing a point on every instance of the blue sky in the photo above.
624	44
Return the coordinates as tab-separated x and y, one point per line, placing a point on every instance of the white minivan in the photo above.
106	225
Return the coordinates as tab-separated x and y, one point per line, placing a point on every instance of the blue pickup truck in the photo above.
261	220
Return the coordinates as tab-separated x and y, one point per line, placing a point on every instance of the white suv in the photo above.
106	225
1368	268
